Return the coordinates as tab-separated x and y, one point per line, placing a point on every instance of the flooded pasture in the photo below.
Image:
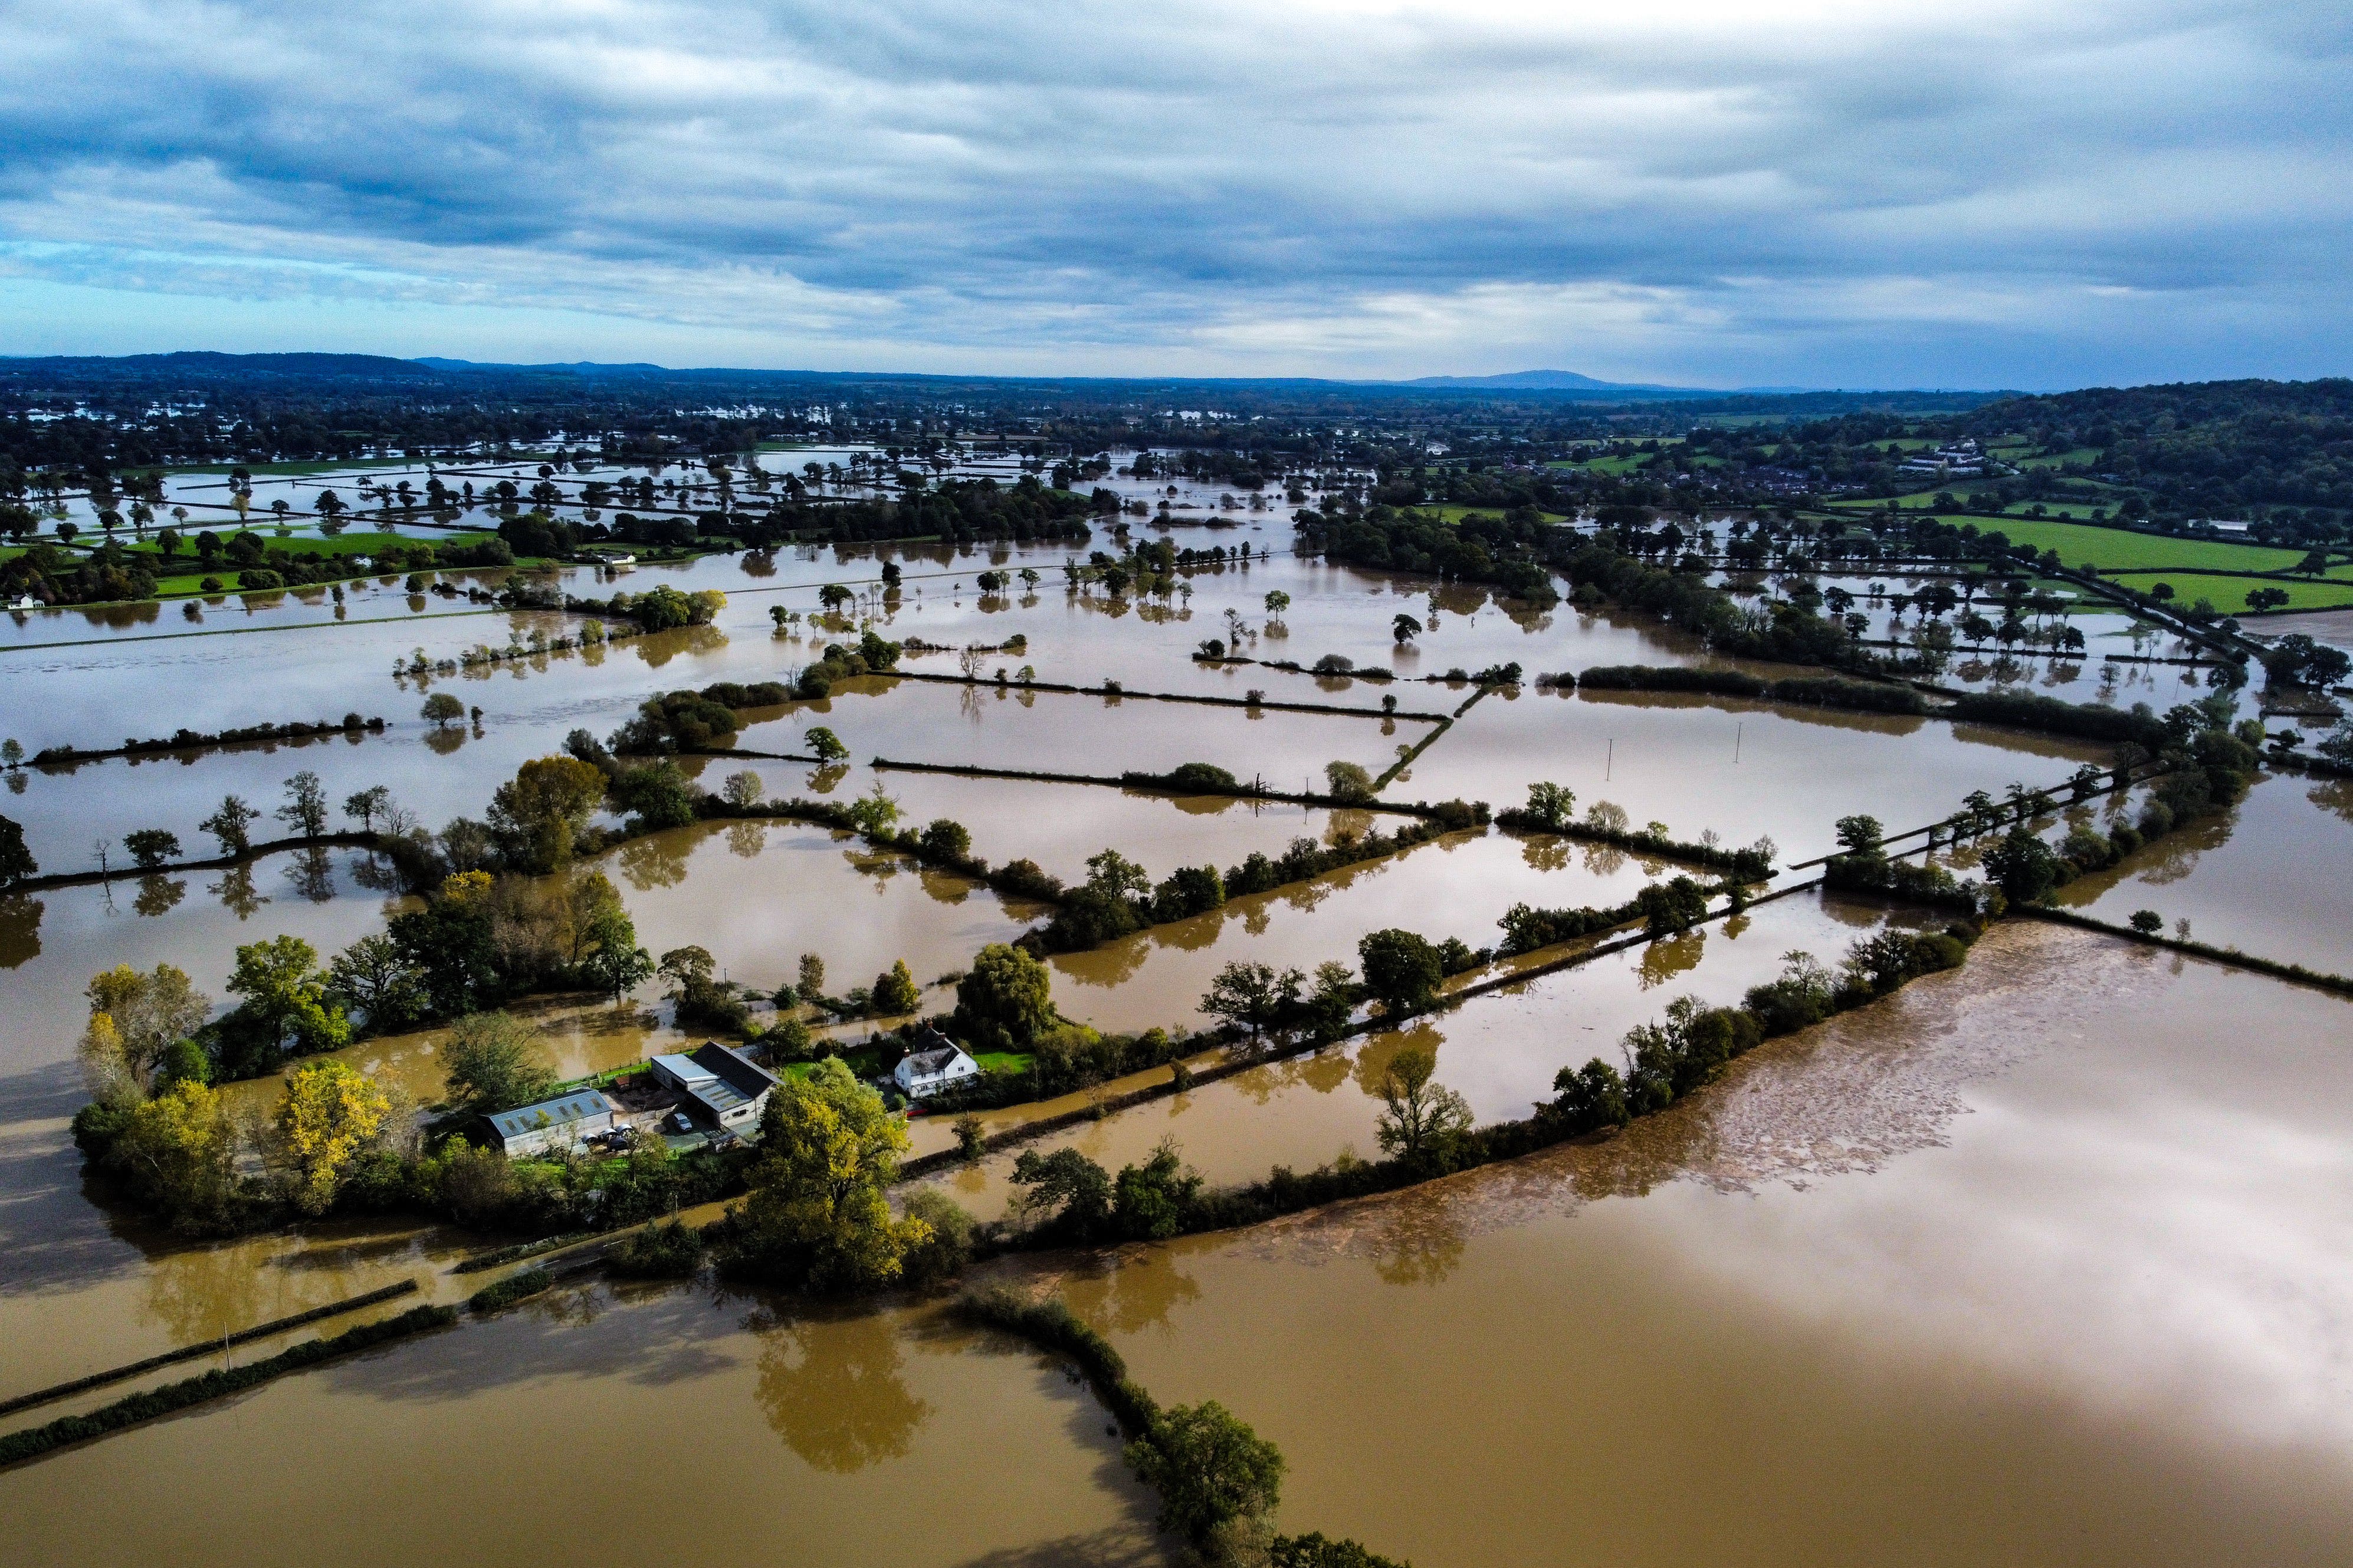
2042	1259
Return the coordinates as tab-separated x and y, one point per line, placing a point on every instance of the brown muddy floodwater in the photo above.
2268	877
2045	1261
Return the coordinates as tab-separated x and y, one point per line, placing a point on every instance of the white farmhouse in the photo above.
936	1065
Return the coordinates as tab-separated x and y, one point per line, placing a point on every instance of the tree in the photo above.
1243	993
826	745
16	862
1005	1003
152	846
833	596
286	1004
305	810
179	1152
1348	781
656	795
744	790
614	963
1405	629
145	1015
1677	904
1066	1189
376	975
1208	1466
810	972
229	824
1420	1121
688	967
365	806
1552	805
2149	922
1114	875
490	1062
2024	866
1861	836
329	1115
1277	602
894	991
1401	970
539	814
1149	1202
817	1216
946	839
1591	1097
443	709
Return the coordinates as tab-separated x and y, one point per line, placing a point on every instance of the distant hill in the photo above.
208	365
1540	381
572	367
1571	380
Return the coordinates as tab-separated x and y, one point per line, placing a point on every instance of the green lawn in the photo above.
1004	1061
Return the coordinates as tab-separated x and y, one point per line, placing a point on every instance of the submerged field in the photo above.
2035	1259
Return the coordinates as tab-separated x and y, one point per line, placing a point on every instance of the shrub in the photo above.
666	1251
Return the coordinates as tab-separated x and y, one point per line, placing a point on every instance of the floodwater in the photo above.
624	1419
2041	1261
2267	878
1739	769
2013	1269
1499	1051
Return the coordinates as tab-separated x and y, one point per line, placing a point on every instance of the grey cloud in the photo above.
1193	175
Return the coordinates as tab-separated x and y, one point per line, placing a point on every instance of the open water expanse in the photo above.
2045	1259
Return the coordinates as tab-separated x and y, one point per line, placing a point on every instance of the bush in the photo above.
507	1291
1348	781
1203	777
948	1249
665	1251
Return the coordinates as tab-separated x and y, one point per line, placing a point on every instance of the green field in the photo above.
1453	514
2116	550
1626	465
2057	459
2229	593
306	470
342	545
1925	500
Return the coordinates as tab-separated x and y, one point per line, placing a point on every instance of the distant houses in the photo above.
936	1065
1963	458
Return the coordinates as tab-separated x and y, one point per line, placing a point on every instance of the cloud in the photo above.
1828	191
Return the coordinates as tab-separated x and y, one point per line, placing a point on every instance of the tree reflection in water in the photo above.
158	895
313	872
830	1388
1665	959
1420	1246
235	891
20	930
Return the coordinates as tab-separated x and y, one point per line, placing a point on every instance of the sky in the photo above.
1821	193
